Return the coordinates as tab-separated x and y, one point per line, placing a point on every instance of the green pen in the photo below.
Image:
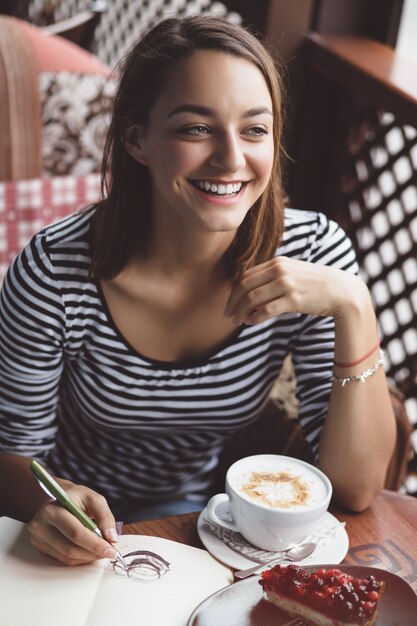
55	491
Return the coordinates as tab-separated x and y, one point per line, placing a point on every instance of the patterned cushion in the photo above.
75	117
28	205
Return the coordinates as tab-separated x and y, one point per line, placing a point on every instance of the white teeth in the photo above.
221	190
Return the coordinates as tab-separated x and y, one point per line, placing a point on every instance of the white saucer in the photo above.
332	551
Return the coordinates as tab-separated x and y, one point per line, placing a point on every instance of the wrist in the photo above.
356	333
355	303
361	359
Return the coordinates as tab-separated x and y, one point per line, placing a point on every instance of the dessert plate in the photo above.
243	603
330	548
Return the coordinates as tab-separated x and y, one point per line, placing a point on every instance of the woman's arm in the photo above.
358	435
31	365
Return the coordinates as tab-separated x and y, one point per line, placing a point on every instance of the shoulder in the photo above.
64	246
71	230
306	226
53	255
312	236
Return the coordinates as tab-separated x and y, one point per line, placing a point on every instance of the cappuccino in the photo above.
289	486
272	500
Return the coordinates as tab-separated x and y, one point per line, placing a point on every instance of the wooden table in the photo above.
385	535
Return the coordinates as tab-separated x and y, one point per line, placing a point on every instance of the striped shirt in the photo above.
74	393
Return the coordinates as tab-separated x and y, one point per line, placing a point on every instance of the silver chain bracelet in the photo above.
360	378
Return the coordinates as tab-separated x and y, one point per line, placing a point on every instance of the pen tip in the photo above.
121	559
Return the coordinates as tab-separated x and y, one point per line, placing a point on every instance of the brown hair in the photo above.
123	219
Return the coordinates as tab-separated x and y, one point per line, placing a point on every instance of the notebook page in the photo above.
36	589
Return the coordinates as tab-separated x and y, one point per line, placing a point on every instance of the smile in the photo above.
218	189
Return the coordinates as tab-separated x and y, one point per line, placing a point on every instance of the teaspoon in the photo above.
297	553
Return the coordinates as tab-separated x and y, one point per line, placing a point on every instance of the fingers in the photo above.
49	540
58	533
259	295
284	285
96	507
267	311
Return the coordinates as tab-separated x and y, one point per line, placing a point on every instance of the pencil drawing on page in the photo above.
141	565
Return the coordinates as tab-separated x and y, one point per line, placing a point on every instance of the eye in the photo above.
197	129
257	131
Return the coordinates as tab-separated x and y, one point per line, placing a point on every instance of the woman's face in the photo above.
208	143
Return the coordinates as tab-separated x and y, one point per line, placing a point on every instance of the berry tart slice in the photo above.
324	597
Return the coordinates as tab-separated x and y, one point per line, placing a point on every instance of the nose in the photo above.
228	154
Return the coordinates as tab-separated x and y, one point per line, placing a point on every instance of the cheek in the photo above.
188	156
263	159
180	158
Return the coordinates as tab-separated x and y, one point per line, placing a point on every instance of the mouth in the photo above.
220	190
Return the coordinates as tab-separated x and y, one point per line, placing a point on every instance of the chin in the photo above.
222	226
223	223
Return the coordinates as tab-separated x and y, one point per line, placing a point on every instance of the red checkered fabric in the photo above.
28	205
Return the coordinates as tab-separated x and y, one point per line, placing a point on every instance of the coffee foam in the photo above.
281	490
280	485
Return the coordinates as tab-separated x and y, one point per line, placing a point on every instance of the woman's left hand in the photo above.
284	285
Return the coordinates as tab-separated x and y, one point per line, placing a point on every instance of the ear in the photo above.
133	141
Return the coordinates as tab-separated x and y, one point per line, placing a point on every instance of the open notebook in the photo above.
37	590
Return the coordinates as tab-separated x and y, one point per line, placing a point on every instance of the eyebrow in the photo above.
208	112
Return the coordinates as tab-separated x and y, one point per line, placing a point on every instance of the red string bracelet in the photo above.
361	359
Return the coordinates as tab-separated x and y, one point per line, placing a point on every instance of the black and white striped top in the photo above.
74	393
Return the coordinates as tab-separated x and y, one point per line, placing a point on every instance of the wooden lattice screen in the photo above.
376	201
380	199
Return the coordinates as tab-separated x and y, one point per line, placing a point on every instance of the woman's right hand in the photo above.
56	532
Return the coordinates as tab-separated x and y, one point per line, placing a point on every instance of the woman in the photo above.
139	334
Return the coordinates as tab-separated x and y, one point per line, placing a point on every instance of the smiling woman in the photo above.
140	334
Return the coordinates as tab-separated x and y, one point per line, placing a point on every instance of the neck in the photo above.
190	252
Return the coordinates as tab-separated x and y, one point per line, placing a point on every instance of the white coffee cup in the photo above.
272	500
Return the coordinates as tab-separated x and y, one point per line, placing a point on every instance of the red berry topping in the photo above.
373	595
369	607
334	593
